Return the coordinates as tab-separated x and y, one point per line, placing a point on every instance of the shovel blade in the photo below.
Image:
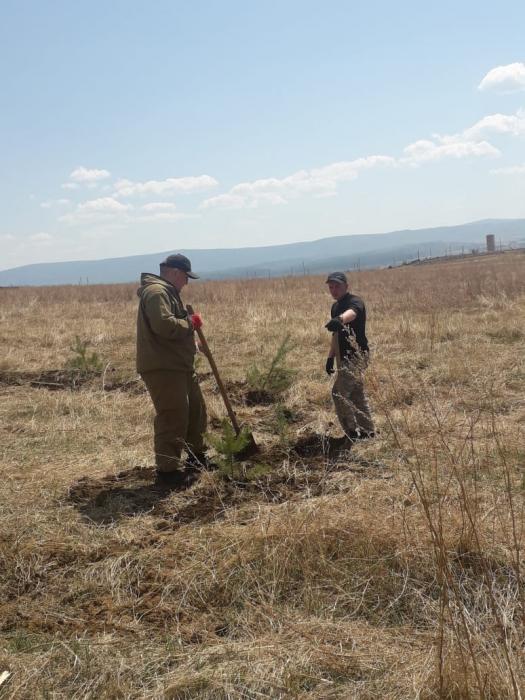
250	449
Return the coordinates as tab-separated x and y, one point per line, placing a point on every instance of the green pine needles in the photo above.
275	377
82	360
229	444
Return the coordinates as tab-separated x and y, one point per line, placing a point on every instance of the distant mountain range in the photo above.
339	252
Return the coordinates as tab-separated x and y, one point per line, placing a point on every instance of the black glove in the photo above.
330	366
334	325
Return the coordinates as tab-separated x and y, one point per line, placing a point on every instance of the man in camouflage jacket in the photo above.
165	360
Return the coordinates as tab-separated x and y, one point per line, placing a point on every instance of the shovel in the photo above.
251	448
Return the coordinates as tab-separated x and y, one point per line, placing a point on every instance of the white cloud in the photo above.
87	175
469	143
107	210
55	203
103	208
513	124
424	150
162	211
511	170
103	205
224	201
320	182
509	78
164	216
317	182
7	237
324	181
172	185
159	206
41	237
349	170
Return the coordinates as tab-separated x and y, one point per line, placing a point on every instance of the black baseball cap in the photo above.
337	277
180	262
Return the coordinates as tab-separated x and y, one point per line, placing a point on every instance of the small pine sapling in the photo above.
82	360
282	418
276	377
228	444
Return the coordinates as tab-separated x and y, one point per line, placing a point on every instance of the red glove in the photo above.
196	321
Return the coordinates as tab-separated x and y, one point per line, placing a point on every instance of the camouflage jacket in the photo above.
165	337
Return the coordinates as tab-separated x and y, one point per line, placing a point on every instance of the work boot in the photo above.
365	435
338	441
336	445
177	479
200	462
356	436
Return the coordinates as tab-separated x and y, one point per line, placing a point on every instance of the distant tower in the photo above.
491	243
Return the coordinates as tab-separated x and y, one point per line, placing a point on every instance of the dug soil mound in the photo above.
71	379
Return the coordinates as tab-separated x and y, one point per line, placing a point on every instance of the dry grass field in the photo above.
393	571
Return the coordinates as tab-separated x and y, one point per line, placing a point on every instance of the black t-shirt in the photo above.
353	335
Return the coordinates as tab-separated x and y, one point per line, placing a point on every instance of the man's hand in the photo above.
334	325
329	366
196	321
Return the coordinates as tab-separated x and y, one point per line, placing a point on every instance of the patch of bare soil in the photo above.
239	392
234	389
130	386
132	492
113	497
312	444
52	379
69	379
253	397
117	495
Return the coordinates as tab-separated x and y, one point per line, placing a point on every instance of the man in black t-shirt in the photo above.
349	349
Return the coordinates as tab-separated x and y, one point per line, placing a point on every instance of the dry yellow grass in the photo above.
395	572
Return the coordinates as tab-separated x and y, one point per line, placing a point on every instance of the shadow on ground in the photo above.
110	498
305	471
107	500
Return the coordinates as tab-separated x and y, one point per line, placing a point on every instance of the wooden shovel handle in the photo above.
206	349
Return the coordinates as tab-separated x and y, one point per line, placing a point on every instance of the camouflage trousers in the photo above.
180	420
350	400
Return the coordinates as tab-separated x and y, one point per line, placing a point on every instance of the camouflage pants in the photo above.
350	400
180	419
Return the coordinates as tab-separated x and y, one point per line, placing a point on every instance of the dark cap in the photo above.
337	277
180	262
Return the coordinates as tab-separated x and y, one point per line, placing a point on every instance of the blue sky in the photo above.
134	127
